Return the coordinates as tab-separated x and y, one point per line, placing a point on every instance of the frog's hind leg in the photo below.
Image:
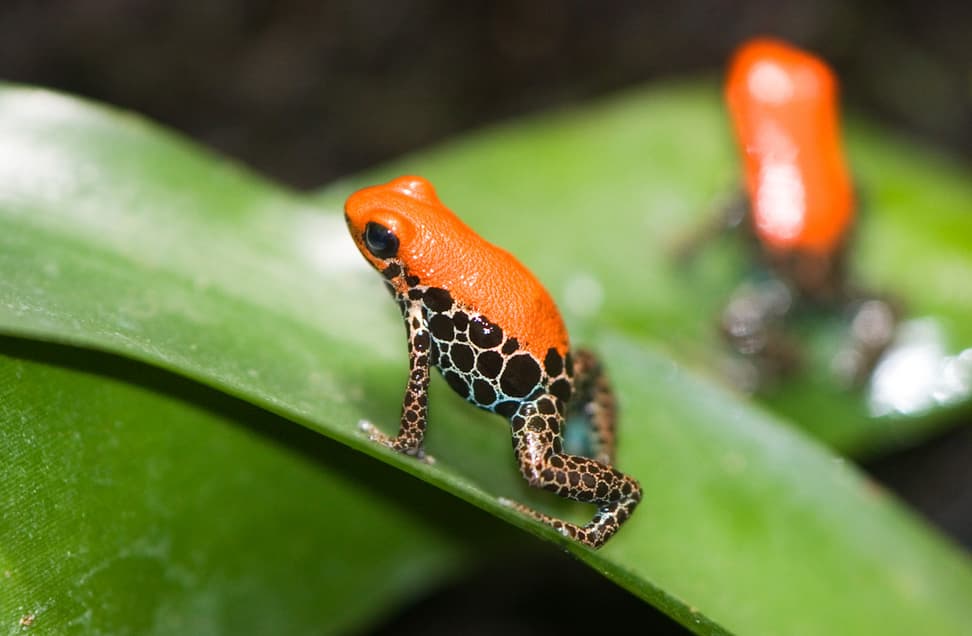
538	447
593	401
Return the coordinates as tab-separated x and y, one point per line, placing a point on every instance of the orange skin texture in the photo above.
783	105
442	251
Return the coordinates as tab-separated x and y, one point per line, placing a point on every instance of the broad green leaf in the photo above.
136	502
115	236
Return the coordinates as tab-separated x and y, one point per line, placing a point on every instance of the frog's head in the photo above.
396	223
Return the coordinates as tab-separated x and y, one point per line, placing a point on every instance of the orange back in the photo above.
442	251
783	105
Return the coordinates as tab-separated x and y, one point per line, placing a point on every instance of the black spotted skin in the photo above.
478	315
488	368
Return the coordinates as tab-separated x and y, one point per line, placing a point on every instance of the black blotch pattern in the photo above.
392	271
536	395
553	363
457	383
441	327
411	281
511	345
461	320
421	342
507	408
483	333
489	363
438	299
521	375
561	389
553	423
483	392
462	356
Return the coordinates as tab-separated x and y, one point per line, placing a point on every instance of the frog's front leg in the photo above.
537	443
411	432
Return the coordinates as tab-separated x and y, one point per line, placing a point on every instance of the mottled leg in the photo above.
872	329
753	324
537	443
593	399
411	432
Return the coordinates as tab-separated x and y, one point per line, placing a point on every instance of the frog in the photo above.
798	211
782	103
479	316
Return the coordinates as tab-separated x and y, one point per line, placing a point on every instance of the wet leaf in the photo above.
137	502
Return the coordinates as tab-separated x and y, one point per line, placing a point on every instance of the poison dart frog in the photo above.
800	208
479	316
783	106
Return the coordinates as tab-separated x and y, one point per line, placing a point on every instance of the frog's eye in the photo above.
380	241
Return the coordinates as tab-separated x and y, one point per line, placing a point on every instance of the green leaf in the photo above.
136	502
117	237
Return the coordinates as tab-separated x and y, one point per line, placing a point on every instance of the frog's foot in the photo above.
393	443
872	331
605	523
616	495
374	434
592	535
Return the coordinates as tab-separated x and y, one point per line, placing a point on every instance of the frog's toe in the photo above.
422	457
373	433
416	452
509	503
366	426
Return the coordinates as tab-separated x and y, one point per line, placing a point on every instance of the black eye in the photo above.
380	241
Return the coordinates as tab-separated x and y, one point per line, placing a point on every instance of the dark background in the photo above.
308	91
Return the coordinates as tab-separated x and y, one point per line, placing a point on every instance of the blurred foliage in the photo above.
308	91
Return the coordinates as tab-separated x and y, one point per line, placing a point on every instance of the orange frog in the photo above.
475	313
783	104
